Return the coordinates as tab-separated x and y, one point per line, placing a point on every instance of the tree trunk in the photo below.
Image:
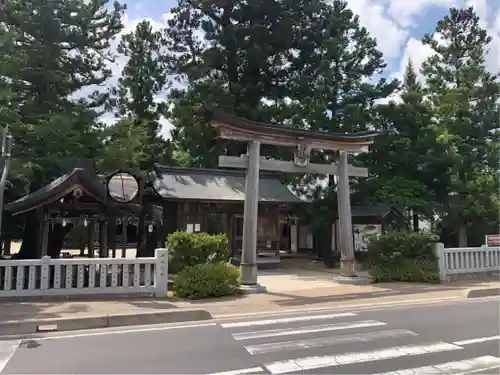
140	251
415	221
28	248
29	245
56	239
462	236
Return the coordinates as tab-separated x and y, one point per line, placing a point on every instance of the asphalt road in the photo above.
446	338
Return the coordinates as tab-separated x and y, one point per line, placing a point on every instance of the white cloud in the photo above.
415	51
389	35
404	11
418	52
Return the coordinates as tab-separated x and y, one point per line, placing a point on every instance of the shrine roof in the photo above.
230	126
77	177
217	185
377	210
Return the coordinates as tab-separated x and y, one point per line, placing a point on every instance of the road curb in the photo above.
104	321
482	292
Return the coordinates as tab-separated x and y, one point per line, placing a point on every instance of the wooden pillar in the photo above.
124	236
230	234
165	224
294	238
90	237
347	260
7	245
45	235
248	265
111	228
103	245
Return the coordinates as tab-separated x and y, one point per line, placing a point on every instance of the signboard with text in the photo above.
492	240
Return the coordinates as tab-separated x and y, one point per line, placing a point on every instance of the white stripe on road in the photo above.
477	340
468	366
306	329
7	350
311	363
304	318
326	341
251	370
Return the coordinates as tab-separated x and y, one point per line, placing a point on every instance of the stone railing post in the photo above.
45	273
439	252
161	272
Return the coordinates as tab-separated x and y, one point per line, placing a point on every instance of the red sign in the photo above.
493	240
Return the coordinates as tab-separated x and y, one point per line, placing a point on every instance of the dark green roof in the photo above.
245	124
217	185
377	210
80	176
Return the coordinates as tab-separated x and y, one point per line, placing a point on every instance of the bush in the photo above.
207	280
189	249
404	256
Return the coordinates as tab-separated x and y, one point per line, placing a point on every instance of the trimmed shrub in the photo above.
189	249
207	280
404	256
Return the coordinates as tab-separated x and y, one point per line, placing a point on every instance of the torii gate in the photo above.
254	133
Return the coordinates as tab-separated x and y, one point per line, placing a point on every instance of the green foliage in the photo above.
279	57
207	280
404	256
189	249
463	96
135	142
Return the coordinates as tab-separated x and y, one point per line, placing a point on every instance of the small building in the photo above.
212	201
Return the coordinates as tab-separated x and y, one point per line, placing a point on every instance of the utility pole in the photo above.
5	155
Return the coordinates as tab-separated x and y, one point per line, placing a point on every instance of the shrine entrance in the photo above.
255	134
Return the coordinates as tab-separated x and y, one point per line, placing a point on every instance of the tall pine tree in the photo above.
60	48
398	161
136	101
464	94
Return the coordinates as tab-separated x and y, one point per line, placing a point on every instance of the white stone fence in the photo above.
85	276
466	262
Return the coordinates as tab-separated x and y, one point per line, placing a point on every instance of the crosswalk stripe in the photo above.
7	350
477	340
306	329
467	366
251	370
311	363
326	341
292	319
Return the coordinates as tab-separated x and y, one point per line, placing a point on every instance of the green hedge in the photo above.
404	256
207	280
189	249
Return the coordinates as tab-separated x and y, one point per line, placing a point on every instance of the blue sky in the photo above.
398	25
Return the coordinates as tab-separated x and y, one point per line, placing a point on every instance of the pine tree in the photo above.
136	98
463	94
61	48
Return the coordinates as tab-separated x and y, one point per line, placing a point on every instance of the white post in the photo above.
161	272
439	252
45	273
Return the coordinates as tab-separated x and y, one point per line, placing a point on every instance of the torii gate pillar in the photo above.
347	260
248	263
